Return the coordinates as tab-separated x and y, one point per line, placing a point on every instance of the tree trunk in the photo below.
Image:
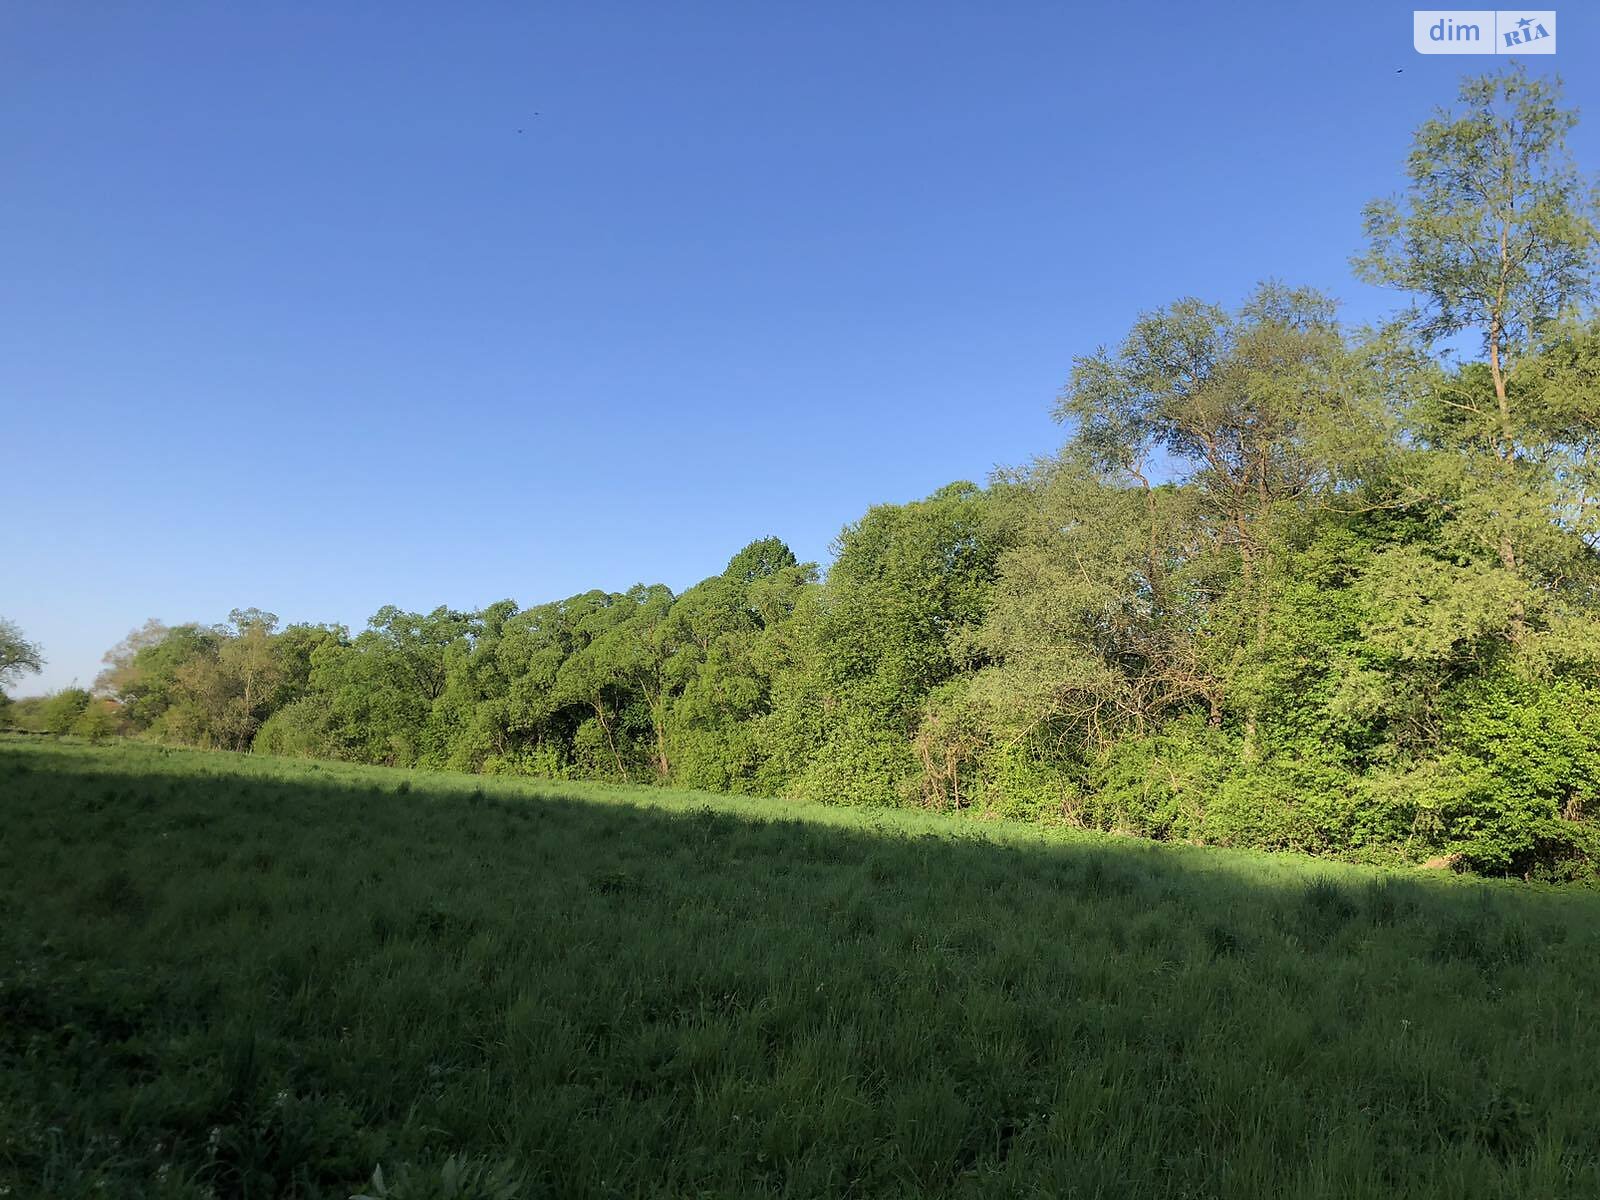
600	715
1506	443
659	720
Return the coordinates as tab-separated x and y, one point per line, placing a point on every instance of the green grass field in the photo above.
236	976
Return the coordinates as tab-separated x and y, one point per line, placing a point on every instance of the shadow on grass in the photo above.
263	978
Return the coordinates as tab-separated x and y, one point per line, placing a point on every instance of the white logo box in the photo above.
1483	31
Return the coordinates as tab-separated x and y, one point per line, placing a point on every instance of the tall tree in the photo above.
1494	240
719	673
590	676
887	627
152	671
1495	235
1258	409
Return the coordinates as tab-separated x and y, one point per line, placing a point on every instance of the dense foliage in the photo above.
1288	585
231	976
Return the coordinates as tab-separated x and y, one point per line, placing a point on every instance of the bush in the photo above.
1160	786
1021	786
27	713
98	721
1517	793
61	711
721	759
544	761
862	766
1318	808
298	730
596	751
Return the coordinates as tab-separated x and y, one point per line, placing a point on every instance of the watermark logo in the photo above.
1483	31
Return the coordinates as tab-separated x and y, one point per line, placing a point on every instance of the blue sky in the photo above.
304	307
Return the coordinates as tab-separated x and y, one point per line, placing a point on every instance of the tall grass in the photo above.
248	977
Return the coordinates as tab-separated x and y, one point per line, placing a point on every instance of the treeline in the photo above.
1287	585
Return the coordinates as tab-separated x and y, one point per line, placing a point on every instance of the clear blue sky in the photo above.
303	307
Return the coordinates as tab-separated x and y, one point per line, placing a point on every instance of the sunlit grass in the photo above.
256	977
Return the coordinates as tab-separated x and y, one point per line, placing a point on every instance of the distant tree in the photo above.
638	653
415	647
723	633
760	559
210	685
142	672
251	672
27	713
295	649
1100	626
18	656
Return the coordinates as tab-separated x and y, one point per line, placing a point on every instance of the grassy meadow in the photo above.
228	975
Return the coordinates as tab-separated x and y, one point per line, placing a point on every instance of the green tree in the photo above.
1259	412
888	625
1495	236
150	672
597	675
18	656
1494	240
1101	624
721	671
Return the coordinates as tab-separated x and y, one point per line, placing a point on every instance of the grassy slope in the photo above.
263	977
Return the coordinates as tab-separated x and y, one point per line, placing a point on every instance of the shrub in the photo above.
862	766
719	759
1280	804
61	711
1515	795
1018	785
299	730
542	761
97	722
1160	786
